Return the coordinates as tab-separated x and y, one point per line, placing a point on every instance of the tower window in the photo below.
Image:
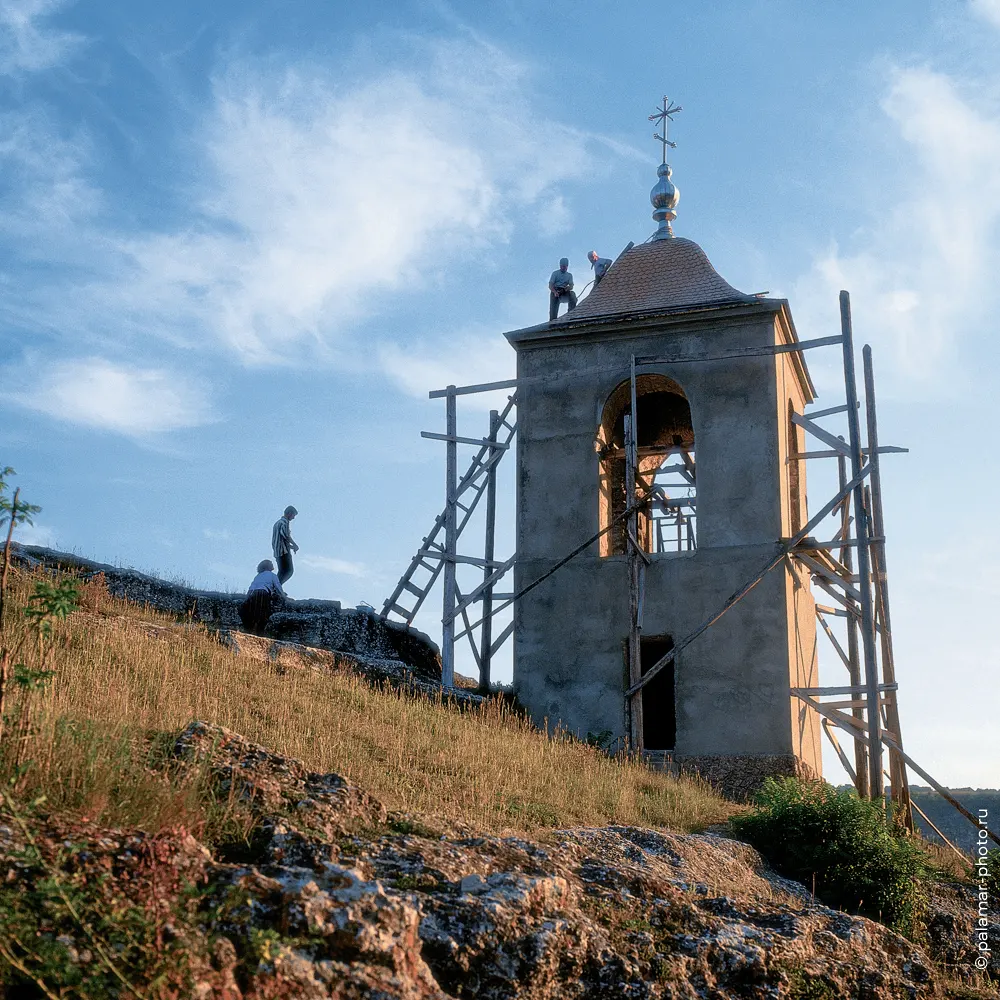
666	467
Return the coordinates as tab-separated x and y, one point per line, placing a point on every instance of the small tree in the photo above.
49	602
13	511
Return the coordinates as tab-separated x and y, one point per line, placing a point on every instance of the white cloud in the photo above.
319	203
133	401
217	534
45	199
329	564
924	270
35	534
470	358
988	9
27	46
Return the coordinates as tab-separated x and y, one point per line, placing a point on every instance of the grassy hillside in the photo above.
96	739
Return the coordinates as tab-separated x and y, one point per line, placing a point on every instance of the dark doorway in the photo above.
659	716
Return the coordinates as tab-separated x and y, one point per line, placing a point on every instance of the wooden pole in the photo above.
635	564
486	635
897	768
876	787
450	543
634	704
853	656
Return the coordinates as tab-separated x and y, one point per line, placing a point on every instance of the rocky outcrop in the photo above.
319	624
328	895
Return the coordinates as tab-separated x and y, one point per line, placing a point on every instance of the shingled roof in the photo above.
661	275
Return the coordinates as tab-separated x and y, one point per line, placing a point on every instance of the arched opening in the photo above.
666	466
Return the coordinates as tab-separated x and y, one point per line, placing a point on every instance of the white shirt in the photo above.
267	581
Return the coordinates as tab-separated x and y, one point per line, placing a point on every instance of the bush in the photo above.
841	847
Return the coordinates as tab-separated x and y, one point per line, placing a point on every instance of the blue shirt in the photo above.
562	280
601	266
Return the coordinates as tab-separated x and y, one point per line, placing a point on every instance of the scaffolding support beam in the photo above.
875	783
635	568
486	634
897	769
450	545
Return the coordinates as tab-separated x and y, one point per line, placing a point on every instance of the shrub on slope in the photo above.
841	847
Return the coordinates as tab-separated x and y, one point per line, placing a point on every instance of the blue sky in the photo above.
238	248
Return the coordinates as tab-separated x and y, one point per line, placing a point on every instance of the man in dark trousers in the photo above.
600	266
283	545
265	591
561	287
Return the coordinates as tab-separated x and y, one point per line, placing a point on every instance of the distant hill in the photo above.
948	819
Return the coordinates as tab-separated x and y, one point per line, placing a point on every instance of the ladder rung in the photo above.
401	611
412	589
426	565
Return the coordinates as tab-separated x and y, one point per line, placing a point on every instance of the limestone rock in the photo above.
318	624
329	900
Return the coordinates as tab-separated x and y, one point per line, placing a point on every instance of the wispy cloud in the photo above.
97	393
471	357
988	9
924	267
317	205
27	44
46	202
329	564
35	534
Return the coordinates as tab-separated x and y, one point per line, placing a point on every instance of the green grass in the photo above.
127	680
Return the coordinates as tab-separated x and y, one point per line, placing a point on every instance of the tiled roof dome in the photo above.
662	275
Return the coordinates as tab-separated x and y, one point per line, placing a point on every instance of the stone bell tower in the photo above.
712	412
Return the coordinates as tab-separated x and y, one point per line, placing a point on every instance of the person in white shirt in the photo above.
265	591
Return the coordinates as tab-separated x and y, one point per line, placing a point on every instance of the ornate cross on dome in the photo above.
664	115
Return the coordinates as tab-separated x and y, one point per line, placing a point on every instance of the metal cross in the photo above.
664	115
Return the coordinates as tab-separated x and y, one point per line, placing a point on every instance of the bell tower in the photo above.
659	413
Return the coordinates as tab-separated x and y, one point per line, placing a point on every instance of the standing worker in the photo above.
600	266
561	286
264	592
283	545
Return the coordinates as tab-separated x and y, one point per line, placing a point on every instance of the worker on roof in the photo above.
600	266
561	287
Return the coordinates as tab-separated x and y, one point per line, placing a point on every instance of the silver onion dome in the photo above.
664	198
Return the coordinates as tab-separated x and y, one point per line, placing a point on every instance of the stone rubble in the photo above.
374	905
331	896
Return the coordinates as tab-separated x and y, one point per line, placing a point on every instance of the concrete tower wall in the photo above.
732	696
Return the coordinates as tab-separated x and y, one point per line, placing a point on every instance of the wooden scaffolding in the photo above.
849	567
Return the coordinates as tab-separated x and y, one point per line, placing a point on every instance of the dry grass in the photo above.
102	733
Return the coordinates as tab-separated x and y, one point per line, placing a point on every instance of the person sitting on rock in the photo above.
265	591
